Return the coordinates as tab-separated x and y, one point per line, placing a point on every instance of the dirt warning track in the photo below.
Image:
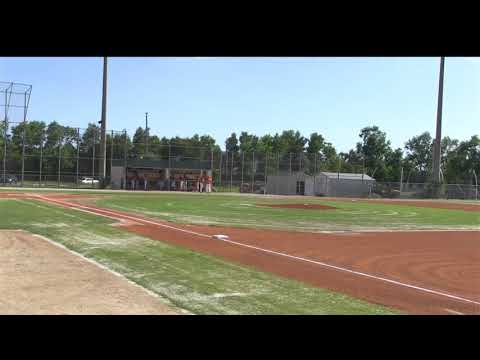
424	272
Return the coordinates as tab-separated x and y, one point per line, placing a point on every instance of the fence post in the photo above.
78	155
93	155
243	161
231	172
226	167
169	154
211	161
23	150
290	165
265	175
338	175
401	181
125	145
111	160
220	168
476	184
278	163
253	171
5	138
59	162
41	160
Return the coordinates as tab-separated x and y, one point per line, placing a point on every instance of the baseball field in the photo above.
237	254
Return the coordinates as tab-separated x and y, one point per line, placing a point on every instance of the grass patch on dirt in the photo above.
195	282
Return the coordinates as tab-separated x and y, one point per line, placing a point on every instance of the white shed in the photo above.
343	184
290	184
323	184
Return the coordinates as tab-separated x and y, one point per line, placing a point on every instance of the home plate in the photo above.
220	237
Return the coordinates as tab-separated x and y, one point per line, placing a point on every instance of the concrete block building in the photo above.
323	184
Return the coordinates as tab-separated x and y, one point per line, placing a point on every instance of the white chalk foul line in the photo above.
116	215
355	272
454	312
339	268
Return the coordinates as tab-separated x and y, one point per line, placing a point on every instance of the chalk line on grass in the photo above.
151	293
102	212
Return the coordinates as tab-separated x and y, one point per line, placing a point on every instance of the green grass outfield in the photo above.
241	210
195	282
204	284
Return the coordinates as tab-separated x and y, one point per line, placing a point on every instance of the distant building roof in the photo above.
346	176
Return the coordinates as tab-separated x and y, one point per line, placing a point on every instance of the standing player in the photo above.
200	181
132	182
209	183
204	183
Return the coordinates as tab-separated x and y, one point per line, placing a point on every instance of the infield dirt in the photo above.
38	277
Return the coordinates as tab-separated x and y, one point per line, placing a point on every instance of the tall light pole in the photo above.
103	122
438	135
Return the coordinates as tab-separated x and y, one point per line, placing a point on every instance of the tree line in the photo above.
372	154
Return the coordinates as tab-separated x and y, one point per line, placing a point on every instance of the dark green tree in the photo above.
248	142
463	161
316	143
231	144
372	151
419	153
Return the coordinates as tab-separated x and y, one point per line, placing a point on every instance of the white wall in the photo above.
118	175
287	184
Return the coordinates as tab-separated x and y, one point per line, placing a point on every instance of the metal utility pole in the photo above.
103	122
438	136
146	133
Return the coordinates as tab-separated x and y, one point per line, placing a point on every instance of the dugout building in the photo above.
159	174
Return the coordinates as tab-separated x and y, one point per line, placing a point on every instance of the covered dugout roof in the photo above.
346	176
185	164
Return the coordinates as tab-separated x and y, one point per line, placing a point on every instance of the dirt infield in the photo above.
38	277
423	272
299	206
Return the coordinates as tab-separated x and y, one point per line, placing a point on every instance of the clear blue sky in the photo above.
333	96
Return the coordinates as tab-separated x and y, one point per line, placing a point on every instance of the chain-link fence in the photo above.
65	157
425	191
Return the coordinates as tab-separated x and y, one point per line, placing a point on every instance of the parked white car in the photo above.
89	180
